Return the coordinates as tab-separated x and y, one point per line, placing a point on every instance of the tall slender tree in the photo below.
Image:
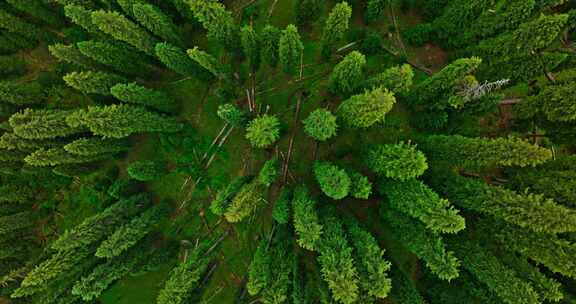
336	27
367	109
218	22
348	74
93	82
153	19
116	55
290	49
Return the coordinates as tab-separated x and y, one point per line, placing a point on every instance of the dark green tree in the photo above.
335	27
320	124
37	9
93	82
137	94
116	55
218	22
270	40
348	74
374	10
401	161
15	25
224	197
153	19
333	181
21	94
146	170
248	199
397	79
71	54
269	172
59	156
360	186
83	17
206	61
42	124
232	115
251	45
308	11
177	60
281	211
365	110
290	49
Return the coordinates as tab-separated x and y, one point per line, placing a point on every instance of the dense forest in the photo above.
287	151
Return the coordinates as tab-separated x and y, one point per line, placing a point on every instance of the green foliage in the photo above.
529	211
21	94
93	82
251	45
224	197
137	94
374	10
146	170
498	277
269	172
131	233
259	270
308	11
290	49
425	244
37	9
71	54
404	289
232	115
400	161
372	267
14	222
121	28
281	211
95	228
360	186
320	124
348	74
42	124
206	61
58	156
365	110
263	131
333	181
557	101
269	41
484	152
153	19
336	262
397	79
245	202
419	35
306	222
118	56
81	16
278	289
415	199
15	25
118	121
217	21
336	26
177	60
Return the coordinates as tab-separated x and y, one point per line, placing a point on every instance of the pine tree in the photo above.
245	202
263	131
58	156
118	121
146	170
96	146
415	199
42	124
224	197
336	262
336	27
306	222
269	172
405	291
131	233
232	115
374	10
277	290
290	49
116	55
177	60
93	82
218	22
21	94
556	100
365	110
250	42
95	228
401	161
121	28
83	17
281	211
153	19
270	40
529	211
360	186
320	124
348	74
425	244
333	181
372	267
206	61
483	152
38	10
128	6
71	54
397	79
14	25
10	43
137	94
308	11
498	277
15	222
259	270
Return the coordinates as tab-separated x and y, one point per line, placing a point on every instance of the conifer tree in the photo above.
270	40
83	17
487	269
58	156
484	152
224	197
269	172
320	124
365	110
290	49
424	243
404	289
15	25
278	289
245	202
415	199
206	61
96	146
11	141
118	121
372	267
38	10
336	262
146	170
250	42
177	60
14	222
131	233
360	186
306	222
529	211
153	19
397	79
21	94
128	6
137	94
42	124
263	131
555	99
374	10
333	181
116	55
93	82
71	54
259	271
218	22
121	28
232	115
99	226
348	74
336	26
281	211
401	161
